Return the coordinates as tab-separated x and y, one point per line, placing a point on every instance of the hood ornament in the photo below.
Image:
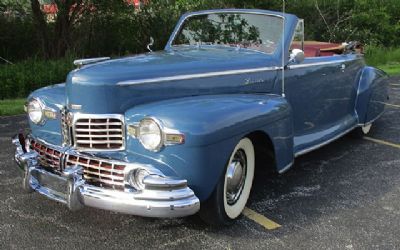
150	44
82	62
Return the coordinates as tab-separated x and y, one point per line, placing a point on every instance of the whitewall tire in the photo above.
239	176
230	196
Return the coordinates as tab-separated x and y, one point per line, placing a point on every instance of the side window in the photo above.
298	37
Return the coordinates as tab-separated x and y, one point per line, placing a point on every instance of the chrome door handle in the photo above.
343	67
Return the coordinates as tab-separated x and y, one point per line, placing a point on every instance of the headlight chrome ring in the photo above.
150	134
153	135
35	110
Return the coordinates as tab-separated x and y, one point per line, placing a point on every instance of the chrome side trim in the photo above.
297	66
197	76
312	148
286	168
221	73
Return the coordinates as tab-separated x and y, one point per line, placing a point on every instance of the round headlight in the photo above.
35	111
150	134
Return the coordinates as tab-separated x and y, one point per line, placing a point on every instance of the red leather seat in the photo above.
314	49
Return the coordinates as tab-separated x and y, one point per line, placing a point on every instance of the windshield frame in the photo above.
181	22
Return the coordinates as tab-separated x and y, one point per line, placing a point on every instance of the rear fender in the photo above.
372	94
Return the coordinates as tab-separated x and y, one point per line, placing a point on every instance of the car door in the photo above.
322	92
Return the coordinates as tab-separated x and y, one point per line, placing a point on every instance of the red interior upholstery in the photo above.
313	48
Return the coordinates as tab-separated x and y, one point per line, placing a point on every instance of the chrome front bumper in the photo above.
161	197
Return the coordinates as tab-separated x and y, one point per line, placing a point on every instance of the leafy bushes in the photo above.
111	28
19	79
18	39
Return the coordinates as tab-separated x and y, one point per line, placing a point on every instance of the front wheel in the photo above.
230	196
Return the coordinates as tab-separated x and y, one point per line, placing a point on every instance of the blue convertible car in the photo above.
174	132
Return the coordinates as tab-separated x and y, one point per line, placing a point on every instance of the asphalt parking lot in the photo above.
343	196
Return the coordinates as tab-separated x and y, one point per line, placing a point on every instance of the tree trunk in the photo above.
56	45
42	28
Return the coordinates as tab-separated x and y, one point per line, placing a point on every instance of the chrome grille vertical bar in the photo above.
90	133
112	173
108	133
100	164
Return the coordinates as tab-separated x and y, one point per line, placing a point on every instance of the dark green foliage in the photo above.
19	79
111	28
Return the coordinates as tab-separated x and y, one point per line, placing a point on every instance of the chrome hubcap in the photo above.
236	176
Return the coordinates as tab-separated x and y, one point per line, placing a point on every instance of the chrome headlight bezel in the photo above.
39	106
158	129
167	136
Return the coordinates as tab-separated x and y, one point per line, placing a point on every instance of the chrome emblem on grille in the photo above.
66	123
69	119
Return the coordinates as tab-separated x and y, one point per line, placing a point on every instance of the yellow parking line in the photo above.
260	219
382	142
392	105
389	104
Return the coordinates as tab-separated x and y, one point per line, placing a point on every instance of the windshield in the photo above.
252	31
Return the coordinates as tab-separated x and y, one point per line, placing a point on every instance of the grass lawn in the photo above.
391	69
12	107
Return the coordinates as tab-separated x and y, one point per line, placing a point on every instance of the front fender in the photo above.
213	125
53	97
372	93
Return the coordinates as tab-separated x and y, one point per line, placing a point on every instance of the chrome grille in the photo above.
99	132
99	172
49	157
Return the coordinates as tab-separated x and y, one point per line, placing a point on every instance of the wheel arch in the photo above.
372	92
264	150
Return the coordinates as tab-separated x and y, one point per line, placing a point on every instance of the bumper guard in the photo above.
161	197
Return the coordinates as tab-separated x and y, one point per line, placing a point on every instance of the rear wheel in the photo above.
232	192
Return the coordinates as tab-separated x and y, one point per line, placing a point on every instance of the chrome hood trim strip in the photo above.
197	76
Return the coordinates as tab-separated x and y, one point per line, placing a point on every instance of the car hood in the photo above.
96	88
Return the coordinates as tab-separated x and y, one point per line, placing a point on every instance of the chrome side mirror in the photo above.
297	56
